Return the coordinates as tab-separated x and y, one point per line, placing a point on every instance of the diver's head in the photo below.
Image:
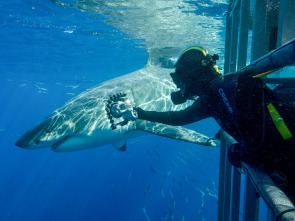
194	71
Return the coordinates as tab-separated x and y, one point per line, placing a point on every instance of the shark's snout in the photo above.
33	138
26	143
23	143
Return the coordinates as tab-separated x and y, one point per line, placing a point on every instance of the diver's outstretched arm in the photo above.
192	114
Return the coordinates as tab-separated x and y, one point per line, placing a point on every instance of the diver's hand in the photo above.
128	112
130	115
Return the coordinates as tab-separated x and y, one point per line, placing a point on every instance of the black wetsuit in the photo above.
239	105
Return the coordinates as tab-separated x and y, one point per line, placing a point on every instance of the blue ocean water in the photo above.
48	55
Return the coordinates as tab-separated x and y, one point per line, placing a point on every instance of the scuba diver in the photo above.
260	119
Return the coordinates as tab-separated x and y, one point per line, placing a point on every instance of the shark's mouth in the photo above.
60	142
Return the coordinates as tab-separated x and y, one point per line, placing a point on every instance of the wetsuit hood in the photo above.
194	71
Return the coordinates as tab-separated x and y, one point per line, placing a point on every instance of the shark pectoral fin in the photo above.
120	145
177	133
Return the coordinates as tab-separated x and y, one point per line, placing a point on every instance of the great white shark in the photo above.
83	123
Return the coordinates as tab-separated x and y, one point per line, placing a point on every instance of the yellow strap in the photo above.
279	122
266	73
195	48
217	69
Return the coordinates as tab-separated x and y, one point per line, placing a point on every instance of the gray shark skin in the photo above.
82	122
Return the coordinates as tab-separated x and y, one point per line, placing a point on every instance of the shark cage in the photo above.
254	28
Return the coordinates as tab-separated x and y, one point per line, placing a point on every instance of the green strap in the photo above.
279	122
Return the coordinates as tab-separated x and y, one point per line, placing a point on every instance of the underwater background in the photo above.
50	52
